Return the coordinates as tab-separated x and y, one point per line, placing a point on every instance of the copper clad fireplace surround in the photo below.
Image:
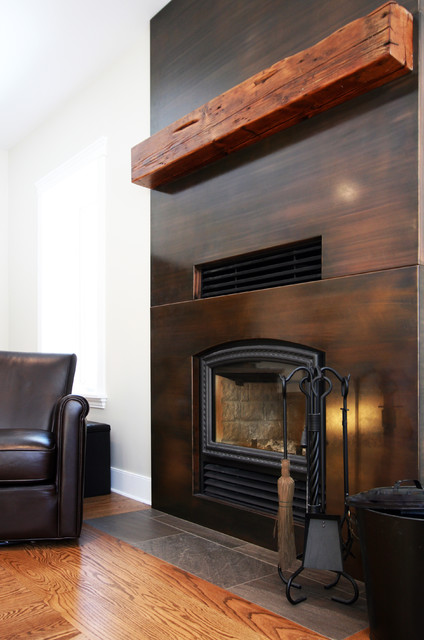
349	176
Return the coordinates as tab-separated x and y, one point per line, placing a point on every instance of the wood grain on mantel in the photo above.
361	56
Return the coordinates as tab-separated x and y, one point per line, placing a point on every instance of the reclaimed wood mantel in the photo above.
361	56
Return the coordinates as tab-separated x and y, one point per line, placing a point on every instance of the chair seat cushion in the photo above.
27	456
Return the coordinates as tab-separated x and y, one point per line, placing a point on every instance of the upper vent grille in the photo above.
290	264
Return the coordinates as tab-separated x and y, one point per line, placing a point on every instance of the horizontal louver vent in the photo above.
290	264
250	489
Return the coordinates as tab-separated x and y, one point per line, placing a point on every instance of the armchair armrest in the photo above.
70	431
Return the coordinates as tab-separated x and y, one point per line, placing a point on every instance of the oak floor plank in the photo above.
23	615
112	591
109	505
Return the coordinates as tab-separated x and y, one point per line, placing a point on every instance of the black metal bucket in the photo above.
391	531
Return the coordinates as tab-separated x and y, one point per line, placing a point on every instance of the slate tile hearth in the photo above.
241	568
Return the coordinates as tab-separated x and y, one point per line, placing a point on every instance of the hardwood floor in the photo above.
110	505
101	588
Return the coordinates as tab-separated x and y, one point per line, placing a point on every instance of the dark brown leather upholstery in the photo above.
42	447
27	456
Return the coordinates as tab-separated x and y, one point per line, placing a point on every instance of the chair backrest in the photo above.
30	385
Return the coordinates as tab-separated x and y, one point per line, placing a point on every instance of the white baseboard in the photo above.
131	485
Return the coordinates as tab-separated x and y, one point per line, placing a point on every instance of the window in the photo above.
71	211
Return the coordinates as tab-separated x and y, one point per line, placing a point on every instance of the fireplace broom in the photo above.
286	543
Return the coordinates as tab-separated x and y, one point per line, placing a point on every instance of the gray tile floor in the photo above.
241	568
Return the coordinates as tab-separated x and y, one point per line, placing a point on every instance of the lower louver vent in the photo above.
290	264
250	489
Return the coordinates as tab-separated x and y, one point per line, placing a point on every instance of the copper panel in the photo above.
366	325
349	175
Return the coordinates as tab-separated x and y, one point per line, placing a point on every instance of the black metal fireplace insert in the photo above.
241	423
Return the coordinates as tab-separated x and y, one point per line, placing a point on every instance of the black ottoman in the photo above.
97	460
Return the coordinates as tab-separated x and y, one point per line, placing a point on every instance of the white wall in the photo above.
4	288
116	105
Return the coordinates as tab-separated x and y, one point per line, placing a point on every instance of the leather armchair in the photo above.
42	447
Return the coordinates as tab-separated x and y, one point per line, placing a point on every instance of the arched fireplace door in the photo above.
240	430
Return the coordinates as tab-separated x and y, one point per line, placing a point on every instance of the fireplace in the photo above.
348	177
241	422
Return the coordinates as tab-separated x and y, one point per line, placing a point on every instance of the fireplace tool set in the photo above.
324	547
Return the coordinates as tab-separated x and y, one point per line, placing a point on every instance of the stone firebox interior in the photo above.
348	176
